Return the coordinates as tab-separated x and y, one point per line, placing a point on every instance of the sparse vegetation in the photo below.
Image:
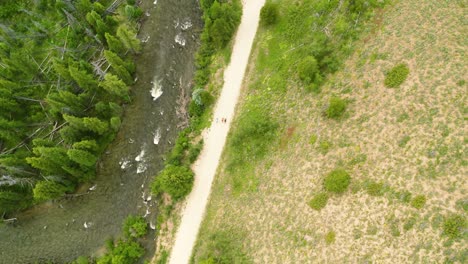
224	247
319	201
337	181
374	188
396	76
373	124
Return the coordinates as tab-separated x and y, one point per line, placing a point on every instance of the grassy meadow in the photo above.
364	162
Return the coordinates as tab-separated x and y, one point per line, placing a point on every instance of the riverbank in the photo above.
56	231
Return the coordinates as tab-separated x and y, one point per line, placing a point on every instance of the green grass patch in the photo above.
418	201
330	237
336	108
374	188
409	223
403	141
337	181
455	226
249	142
313	139
222	247
324	146
319	201
396	76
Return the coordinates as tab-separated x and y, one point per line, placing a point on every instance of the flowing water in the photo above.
63	230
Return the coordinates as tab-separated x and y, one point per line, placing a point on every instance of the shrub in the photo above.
308	69
404	141
409	223
418	201
135	226
455	226
337	181
396	76
123	252
330	237
313	139
336	107
81	260
315	86
194	151
403	196
319	201
324	146
177	181
374	188
269	14
225	18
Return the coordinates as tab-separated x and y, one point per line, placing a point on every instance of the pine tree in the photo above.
49	160
114	44
115	86
64	102
82	157
87	124
128	37
9	135
117	65
11	201
88	145
48	190
82	78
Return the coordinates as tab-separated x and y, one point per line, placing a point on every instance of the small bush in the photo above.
404	196
135	226
374	188
308	69
315	86
313	139
409	223
455	226
324	146
124	252
336	108
404	141
269	14
462	204
330	237
194	151
396	76
81	260
177	181
418	201
319	201
337	181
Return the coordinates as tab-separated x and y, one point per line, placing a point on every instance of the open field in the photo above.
403	147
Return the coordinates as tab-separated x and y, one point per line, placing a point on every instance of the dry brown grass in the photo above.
429	107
